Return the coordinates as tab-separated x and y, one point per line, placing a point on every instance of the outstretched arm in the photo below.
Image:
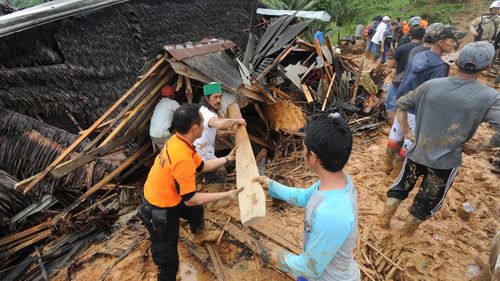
225	123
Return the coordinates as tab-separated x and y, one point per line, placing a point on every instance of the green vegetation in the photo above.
21	4
346	14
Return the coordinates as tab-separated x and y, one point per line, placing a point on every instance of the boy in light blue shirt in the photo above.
330	222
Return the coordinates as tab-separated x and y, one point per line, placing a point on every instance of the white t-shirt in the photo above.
379	34
206	143
162	118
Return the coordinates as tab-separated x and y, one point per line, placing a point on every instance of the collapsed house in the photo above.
75	184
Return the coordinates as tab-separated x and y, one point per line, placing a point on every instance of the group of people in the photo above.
434	117
383	35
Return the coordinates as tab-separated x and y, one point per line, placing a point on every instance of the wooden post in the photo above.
252	200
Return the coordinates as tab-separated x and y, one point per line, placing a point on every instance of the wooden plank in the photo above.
276	235
280	93
220	269
189	90
103	182
42	235
330	87
73	164
142	103
122	113
252	200
264	93
101	119
16	236
307	93
250	94
278	59
358	79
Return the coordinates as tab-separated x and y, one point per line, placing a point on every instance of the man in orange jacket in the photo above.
170	190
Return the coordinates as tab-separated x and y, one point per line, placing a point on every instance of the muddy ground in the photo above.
446	247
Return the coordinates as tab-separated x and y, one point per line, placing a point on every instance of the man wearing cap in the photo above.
377	38
448	113
162	117
170	190
398	61
211	103
424	66
486	27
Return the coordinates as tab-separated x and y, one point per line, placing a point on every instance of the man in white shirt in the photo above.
211	103
378	36
162	118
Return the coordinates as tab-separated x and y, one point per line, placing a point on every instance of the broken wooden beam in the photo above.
80	139
252	200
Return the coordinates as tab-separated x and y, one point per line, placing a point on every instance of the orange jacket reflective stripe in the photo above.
177	160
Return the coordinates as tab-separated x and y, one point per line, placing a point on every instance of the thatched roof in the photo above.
28	145
83	63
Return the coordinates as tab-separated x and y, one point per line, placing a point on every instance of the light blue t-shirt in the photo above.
330	232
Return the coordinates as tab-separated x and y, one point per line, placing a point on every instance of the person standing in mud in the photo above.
331	216
448	113
422	67
211	103
170	190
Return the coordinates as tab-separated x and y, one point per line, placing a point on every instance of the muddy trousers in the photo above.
163	227
430	196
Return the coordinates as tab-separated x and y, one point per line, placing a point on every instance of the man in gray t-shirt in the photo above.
448	113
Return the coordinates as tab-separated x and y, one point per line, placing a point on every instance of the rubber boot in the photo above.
411	224
390	208
391	153
397	164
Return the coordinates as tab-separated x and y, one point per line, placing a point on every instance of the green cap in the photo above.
212	88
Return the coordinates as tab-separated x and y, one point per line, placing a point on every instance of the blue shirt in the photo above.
330	232
319	36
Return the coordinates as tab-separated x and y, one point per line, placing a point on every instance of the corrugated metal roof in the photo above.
288	35
320	15
217	66
189	49
49	12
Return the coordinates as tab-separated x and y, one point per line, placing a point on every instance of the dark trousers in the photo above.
163	227
217	176
430	196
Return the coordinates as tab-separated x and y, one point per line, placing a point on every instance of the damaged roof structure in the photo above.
63	188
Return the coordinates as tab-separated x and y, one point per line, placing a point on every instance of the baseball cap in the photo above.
476	55
167	91
495	4
414	21
386	18
439	31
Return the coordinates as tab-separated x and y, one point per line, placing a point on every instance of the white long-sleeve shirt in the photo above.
379	34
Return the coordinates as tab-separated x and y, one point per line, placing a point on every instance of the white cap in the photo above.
388	18
495	4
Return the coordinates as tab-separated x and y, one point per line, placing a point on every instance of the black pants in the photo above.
217	176
163	228
430	196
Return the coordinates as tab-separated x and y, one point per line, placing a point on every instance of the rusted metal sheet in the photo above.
219	67
189	49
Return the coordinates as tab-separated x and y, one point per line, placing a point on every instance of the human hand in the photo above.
263	181
241	122
474	33
233	194
232	155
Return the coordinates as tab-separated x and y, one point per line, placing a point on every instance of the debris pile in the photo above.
75	188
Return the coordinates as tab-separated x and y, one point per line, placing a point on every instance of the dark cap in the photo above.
439	31
476	56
